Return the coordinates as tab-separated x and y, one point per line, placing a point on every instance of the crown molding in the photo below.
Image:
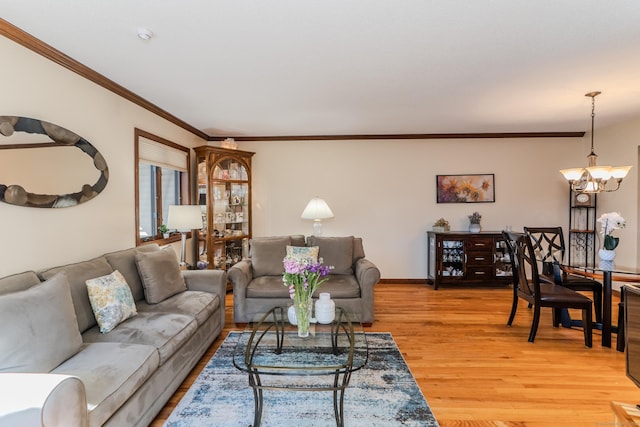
491	135
25	39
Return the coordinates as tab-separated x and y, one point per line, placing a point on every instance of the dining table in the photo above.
608	272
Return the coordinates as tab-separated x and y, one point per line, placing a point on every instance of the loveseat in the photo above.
258	286
58	366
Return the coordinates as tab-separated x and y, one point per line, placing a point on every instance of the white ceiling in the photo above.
336	67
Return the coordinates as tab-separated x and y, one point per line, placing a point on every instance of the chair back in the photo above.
548	246
522	261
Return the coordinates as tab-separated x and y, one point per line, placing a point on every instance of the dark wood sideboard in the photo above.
467	259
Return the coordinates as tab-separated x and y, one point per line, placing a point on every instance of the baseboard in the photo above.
404	281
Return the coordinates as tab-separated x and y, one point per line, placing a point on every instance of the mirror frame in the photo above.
17	195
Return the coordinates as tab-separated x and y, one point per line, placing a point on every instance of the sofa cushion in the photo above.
160	274
167	332
125	262
38	327
267	254
111	373
335	251
339	286
199	304
18	282
307	254
111	300
78	274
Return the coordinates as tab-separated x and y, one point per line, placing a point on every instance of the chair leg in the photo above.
597	301
514	308
534	324
620	337
556	317
587	326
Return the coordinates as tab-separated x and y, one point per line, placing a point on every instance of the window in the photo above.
162	179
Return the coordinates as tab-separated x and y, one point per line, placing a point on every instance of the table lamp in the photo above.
184	218
317	210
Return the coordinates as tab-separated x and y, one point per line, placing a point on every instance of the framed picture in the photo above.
475	188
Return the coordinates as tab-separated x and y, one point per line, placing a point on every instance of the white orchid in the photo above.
609	222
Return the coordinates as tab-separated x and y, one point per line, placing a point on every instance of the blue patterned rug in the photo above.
383	393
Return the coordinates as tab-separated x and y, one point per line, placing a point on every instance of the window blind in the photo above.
161	155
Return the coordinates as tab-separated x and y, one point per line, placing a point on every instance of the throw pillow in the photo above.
111	300
160	274
303	253
267	254
38	327
335	251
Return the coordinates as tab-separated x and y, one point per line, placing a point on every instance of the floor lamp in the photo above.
184	218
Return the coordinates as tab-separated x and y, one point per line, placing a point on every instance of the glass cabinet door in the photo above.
453	258
502	261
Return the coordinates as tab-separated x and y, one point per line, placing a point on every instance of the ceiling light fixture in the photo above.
144	34
593	178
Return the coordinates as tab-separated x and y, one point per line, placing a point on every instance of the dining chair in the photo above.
541	294
549	248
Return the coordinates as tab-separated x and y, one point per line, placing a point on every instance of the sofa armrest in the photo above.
366	273
42	399
240	275
212	281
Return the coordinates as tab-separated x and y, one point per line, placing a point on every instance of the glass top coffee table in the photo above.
274	357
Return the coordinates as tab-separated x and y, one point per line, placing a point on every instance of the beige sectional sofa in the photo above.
257	281
58	369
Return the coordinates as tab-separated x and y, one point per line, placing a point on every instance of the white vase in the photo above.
474	228
607	254
291	314
325	309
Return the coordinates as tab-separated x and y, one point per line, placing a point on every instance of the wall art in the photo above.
473	188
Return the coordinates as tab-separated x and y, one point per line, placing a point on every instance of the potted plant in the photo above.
441	225
474	222
164	230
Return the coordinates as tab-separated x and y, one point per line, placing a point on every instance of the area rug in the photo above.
383	393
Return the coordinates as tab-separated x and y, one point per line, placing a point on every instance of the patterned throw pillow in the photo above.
303	253
111	300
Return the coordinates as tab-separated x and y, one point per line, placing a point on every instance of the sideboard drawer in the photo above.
479	273
480	258
479	243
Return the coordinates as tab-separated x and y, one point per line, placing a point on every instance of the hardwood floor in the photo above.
475	371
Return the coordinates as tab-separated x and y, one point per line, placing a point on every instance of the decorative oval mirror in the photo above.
44	158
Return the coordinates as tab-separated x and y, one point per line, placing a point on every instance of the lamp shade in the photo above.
184	217
317	209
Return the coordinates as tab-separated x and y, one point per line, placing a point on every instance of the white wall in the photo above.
381	190
384	190
34	238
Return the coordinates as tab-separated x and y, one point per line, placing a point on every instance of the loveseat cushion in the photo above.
78	274
160	274
111	373
111	300
167	332
18	282
335	251
125	262
267	254
199	304
339	286
38	327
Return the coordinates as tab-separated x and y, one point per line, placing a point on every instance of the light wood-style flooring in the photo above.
475	371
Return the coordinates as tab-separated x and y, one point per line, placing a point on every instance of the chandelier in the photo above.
594	178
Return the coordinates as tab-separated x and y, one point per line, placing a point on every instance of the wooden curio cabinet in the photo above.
463	258
224	191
